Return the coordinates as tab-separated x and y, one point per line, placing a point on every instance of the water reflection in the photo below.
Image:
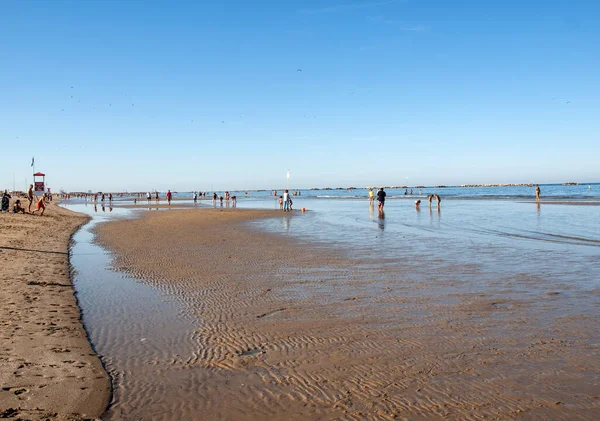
381	218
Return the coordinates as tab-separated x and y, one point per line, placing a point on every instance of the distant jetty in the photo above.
570	183
497	185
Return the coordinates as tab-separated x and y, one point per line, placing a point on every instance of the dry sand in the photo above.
47	367
286	330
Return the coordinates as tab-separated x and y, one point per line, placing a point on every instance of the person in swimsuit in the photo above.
371	196
537	192
169	197
18	208
418	204
30	196
439	201
40	205
429	199
381	199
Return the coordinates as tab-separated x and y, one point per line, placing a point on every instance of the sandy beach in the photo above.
285	329
48	369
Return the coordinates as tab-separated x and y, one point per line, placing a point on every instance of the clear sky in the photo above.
139	95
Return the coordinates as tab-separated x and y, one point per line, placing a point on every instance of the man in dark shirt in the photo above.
380	199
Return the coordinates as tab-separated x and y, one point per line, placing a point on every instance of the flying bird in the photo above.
299	70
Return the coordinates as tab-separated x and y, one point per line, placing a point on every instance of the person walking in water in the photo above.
381	199
537	192
371	196
286	200
169	197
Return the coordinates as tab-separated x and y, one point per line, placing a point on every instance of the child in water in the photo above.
280	202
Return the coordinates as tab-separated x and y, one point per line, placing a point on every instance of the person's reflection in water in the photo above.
95	208
110	208
371	211
381	221
103	208
286	223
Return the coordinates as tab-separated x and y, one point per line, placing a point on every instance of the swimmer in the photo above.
418	204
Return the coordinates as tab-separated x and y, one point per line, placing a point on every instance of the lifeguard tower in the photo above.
39	186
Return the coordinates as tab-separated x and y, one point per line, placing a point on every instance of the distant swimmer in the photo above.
371	196
411	192
537	192
233	201
381	199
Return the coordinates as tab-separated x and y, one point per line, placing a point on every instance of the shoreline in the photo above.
284	328
49	368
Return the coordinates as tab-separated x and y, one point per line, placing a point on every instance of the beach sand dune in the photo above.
281	329
47	367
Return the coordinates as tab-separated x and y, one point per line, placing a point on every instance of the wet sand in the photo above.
281	329
47	367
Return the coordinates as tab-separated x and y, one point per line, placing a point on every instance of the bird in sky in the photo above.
568	102
299	70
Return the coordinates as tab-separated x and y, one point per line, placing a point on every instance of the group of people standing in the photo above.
381	195
285	201
227	197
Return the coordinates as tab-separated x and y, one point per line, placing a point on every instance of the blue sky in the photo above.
138	95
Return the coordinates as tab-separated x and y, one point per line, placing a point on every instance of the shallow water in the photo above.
130	324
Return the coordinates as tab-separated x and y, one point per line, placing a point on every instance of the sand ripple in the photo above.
269	328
